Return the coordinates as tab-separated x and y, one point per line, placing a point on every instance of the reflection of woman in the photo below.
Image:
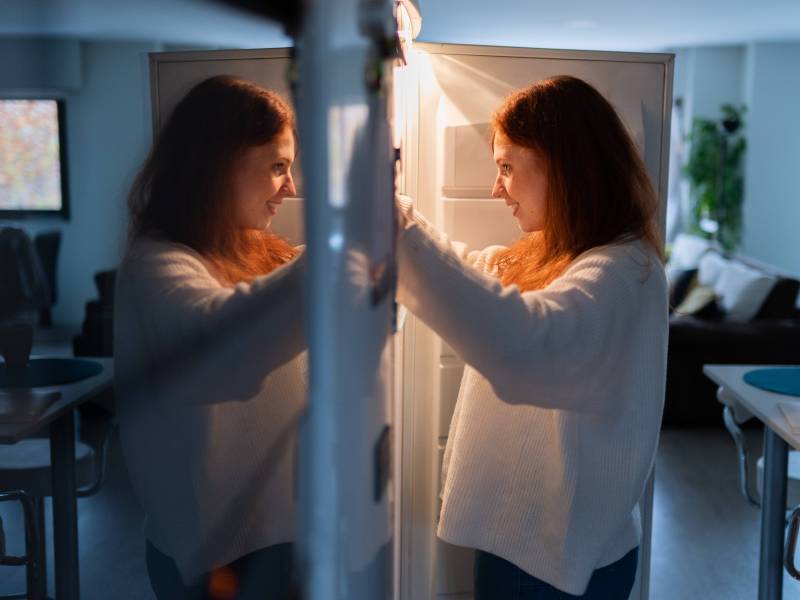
564	335
208	343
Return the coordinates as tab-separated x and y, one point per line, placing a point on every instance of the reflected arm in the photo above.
189	331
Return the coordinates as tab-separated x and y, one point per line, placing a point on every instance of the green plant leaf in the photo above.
714	170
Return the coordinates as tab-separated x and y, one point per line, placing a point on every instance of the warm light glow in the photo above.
408	12
409	24
397	114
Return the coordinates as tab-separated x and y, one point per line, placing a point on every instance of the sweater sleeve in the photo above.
408	216
225	341
562	341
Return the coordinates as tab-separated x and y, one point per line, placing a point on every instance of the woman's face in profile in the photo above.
261	179
521	181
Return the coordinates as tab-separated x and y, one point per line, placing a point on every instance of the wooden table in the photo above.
778	436
59	417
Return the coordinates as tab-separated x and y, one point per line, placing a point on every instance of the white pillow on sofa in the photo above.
710	268
742	290
687	250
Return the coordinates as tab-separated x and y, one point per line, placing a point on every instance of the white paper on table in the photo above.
791	411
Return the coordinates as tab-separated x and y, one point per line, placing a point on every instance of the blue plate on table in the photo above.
781	381
45	372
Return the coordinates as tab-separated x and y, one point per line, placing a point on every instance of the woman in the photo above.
564	335
209	346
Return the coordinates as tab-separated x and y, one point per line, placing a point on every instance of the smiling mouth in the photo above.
272	207
515	209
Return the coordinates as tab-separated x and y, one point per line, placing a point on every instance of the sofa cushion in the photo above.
781	302
742	290
710	268
680	285
698	302
687	250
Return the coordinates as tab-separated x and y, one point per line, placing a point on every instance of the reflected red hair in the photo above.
181	191
598	190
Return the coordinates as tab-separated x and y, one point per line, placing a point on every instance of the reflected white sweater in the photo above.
556	424
211	382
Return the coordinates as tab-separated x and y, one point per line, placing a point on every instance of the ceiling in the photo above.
610	24
189	22
573	24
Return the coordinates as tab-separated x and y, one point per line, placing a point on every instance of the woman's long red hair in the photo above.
598	190
181	192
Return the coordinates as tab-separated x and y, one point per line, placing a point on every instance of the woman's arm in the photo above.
407	214
224	341
551	347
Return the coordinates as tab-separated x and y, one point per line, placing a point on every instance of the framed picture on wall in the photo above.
33	167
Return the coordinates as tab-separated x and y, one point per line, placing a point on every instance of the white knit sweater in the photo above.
211	383
556	424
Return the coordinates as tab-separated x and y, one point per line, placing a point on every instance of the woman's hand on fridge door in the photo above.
404	207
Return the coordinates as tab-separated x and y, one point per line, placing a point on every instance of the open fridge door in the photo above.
449	170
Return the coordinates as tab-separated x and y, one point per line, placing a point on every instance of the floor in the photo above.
705	537
110	541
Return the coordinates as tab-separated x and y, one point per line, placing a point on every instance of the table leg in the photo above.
65	507
773	517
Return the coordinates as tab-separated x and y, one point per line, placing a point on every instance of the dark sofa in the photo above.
771	337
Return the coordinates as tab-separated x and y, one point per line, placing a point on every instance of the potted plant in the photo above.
715	172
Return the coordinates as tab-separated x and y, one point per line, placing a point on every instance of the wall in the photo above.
772	189
704	79
108	134
707	77
717	79
36	63
764	77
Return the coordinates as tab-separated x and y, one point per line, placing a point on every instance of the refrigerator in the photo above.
438	100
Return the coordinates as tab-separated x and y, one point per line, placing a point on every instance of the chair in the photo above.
47	245
33	568
733	415
24	286
25	473
97	333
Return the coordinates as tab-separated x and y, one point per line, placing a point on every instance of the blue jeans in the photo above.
265	574
498	579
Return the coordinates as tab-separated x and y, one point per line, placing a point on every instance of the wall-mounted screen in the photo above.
32	158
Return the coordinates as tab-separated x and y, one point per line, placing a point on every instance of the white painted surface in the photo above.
581	24
39	64
707	77
717	79
772	193
177	21
764	77
610	25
